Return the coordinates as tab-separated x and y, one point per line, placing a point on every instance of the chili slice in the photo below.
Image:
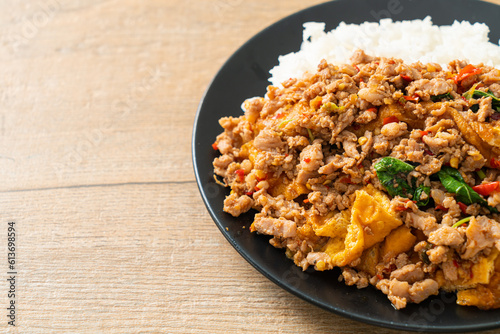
466	72
405	77
463	207
346	180
391	119
428	152
487	188
278	115
241	174
413	98
494	163
442	208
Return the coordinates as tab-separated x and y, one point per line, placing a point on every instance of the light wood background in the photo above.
97	103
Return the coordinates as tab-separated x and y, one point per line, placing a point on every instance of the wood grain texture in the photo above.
98	100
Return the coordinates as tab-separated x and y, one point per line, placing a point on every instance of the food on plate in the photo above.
412	41
387	169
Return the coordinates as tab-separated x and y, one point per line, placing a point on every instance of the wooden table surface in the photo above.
98	99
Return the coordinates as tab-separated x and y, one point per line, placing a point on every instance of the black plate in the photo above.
245	75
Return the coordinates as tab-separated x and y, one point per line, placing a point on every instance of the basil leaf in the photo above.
453	182
453	172
392	165
392	174
418	193
477	94
436	98
495	101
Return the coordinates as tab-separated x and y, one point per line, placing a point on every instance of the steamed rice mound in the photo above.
412	41
386	169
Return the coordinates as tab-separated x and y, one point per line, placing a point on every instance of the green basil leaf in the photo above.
436	98
418	193
474	107
392	165
392	174
478	94
453	172
453	182
495	101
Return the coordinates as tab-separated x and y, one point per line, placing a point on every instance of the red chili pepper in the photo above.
214	146
486	189
455	263
442	208
380	277
306	200
428	152
279	114
250	193
361	80
390	119
356	68
374	110
257	188
413	98
463	207
346	180
401	208
466	72
405	77
494	163
241	174
307	160
409	200
424	133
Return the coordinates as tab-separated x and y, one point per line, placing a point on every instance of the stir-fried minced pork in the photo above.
386	169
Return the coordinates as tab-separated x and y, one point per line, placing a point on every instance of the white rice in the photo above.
417	40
